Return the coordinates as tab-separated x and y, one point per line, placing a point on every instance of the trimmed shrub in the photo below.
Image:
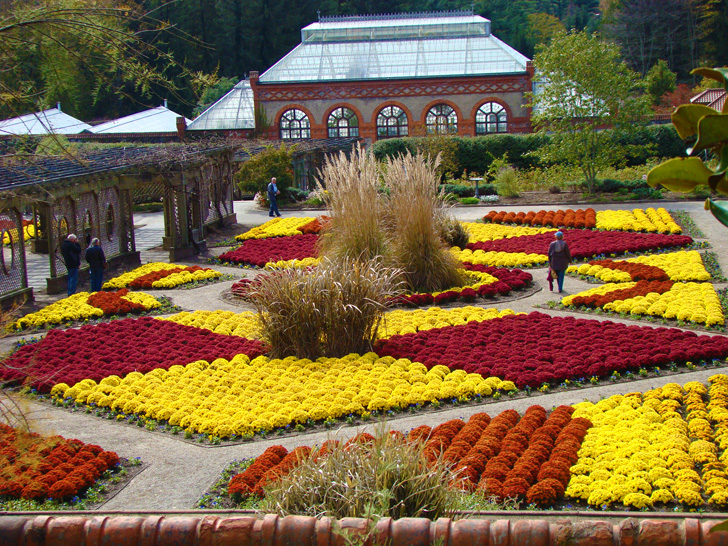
476	154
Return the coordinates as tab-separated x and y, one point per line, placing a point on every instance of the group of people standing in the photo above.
71	252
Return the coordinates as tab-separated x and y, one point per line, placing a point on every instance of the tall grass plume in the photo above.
331	311
386	476
350	187
394	211
416	214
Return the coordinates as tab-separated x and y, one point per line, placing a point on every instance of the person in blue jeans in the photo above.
559	258
97	263
273	193
71	252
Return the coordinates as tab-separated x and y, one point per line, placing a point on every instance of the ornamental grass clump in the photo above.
415	216
350	186
332	311
368	477
394	212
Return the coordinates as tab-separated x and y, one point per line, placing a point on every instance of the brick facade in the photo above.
415	96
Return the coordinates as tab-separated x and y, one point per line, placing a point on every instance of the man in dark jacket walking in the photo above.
97	262
71	252
273	192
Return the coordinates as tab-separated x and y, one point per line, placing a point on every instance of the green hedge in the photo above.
468	191
477	153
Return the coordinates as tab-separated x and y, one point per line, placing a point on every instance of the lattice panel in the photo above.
148	192
64	222
126	212
225	188
12	256
87	220
110	221
209	189
170	196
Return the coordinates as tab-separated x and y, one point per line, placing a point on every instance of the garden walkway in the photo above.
178	472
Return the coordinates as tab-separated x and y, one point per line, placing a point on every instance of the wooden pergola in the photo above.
91	195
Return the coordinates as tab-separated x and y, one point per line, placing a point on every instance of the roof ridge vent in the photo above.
390	16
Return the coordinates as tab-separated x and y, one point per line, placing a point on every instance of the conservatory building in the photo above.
384	76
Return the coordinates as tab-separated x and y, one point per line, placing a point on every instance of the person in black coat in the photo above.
559	258
97	263
71	252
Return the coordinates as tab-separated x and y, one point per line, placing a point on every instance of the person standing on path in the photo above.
71	252
559	258
97	263
273	193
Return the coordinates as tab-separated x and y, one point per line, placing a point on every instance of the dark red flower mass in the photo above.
259	252
118	348
536	348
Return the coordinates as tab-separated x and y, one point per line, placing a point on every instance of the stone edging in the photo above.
275	530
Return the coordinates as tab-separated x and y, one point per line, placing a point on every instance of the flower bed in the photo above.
316	225
582	243
525	458
84	306
11	235
274	463
642	453
401	322
396	322
655	292
258	252
650	220
675	266
225	323
161	275
578	219
240	396
498	259
174	277
693	303
485	282
35	468
92	353
279	227
661	449
302	263
493	232
551	349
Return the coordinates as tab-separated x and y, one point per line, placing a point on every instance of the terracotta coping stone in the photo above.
273	530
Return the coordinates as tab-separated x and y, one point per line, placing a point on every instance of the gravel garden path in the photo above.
177	473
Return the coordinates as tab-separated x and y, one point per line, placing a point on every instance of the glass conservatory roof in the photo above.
157	120
235	110
43	123
396	47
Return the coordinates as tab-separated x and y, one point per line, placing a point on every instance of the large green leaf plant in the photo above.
709	128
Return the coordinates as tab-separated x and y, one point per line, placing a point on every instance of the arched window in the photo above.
343	123
441	119
391	122
295	125
491	118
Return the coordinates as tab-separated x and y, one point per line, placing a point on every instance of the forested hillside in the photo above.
229	38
